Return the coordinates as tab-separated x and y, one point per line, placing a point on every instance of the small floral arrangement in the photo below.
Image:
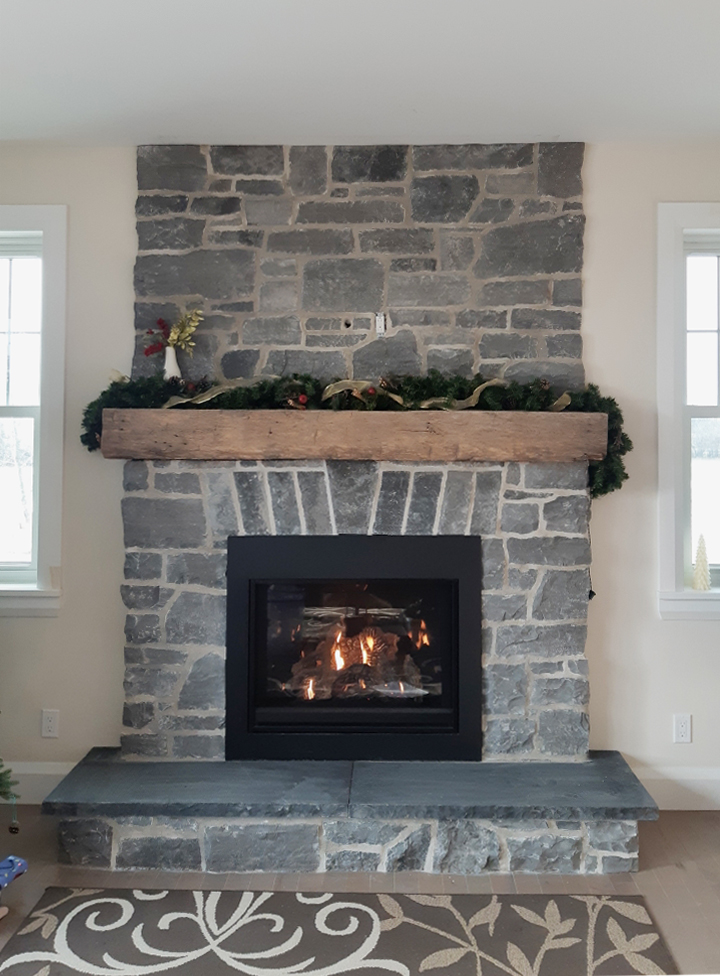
176	336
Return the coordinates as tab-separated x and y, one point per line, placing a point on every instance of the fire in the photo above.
339	660
364	651
310	690
423	638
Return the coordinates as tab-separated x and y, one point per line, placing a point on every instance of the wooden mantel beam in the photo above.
437	436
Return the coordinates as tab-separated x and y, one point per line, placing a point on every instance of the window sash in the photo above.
24	573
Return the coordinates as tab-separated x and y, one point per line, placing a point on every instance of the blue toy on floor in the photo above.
11	868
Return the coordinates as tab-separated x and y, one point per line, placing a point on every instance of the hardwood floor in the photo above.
679	876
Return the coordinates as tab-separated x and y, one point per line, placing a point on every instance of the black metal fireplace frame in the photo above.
255	558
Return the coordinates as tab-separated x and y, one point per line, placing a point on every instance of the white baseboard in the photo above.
682	787
37	779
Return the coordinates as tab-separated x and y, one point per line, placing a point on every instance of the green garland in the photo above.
305	392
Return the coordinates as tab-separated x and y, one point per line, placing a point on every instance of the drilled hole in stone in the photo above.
347	323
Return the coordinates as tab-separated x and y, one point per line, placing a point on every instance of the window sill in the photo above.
689	605
28	601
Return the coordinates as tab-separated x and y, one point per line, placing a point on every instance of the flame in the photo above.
310	691
338	659
402	687
364	651
370	642
422	636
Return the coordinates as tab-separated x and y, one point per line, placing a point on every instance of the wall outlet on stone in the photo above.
380	323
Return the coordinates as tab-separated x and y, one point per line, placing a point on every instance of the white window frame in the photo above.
41	596
676	222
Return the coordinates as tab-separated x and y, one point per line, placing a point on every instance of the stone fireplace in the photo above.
473	254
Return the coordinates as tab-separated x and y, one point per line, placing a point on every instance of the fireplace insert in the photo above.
353	647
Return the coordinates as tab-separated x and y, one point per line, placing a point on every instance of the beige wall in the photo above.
642	669
73	662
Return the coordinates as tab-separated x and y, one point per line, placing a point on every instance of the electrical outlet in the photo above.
682	728
50	723
380	323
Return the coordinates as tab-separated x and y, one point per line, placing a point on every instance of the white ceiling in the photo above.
358	71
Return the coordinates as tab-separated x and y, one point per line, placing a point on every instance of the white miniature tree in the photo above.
701	573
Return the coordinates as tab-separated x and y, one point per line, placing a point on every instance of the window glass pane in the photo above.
26	295
3	368
702	369
4	294
16	489
24	369
702	291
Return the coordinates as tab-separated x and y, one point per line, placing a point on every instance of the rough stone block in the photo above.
163	523
419	316
343	285
618	836
280	330
428	290
537	247
563	640
184	483
196	618
580	666
410	854
465	847
562	595
144	597
442	199
222	273
253	502
493	564
352	861
199	747
260	188
284	503
171	168
159	853
143	565
377	164
311	241
201	363
567	291
135	476
308	169
239	363
260	847
504	689
314	497
352	487
519	579
612	864
556	475
278	296
549	551
472	318
546	319
395	355
321	365
519	518
531	292
473	156
508	737
560	691
561	376
423	503
351	212
197	723
534	207
222	517
149	683
198	569
247	160
148	745
492	211
451	362
173	234
412	265
279	268
390	510
157	204
142	629
404	240
216	206
159	656
268	211
230	237
568	513
546	667
137	715
348	833
205	685
504	606
487	494
545	853
510	184
565	346
456	251
560	169
507	346
563	732
87	843
456	503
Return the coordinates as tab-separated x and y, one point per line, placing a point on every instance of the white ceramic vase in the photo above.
171	369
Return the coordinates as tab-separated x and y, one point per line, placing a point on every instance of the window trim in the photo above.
676	601
42	597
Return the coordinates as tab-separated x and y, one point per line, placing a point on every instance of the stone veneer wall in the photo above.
474	251
533	520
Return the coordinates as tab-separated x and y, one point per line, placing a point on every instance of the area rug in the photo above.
209	933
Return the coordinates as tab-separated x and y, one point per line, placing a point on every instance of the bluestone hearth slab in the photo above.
603	788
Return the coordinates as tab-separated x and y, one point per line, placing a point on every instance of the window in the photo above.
689	405
32	341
